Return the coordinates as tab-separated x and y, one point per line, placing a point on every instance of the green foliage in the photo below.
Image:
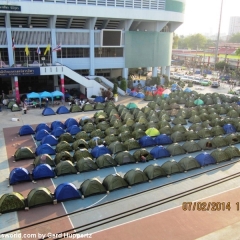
97	79
123	84
166	81
220	66
235	38
238	52
115	87
196	41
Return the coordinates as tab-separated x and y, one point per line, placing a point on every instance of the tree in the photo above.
175	41
238	52
235	38
196	41
222	66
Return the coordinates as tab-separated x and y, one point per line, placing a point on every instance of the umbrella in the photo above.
152	132
57	94
198	102
166	91
131	105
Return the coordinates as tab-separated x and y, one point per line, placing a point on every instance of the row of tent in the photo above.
66	191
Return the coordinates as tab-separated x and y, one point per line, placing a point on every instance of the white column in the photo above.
163	70
154	72
125	73
92	50
9	39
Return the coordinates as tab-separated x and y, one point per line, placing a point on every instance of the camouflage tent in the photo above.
154	171
81	153
63	156
82	135
97	133
63	146
99	106
89	127
191	135
138	134
85	120
166	130
91	187
204	133
131	144
110	138
124	158
105	161
179	128
171	167
194	119
191	146
219	141
220	156
114	181
75	108
217	130
189	163
86	164
66	137
232	151
116	147
142	152
42	159
80	143
24	153
103	126
179	120
65	167
178	137
111	130
175	149
87	107
124	128
138	125
135	176
92	142
232	138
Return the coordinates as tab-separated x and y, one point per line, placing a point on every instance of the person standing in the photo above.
46	105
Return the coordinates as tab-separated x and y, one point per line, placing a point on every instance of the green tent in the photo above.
164	123
152	132
86	164
175	149
42	159
63	146
131	144
63	156
191	146
114	117
135	176
142	120
154	171
124	128
179	120
99	119
10	202
165	117
129	122
80	143
219	141
142	152
110	138
179	128
174	106
232	138
146	110
204	117
204	133
138	125
111	111
23	153
116	147
217	131
75	108
15	108
138	134
233	114
220	156
152	125
39	196
198	102
124	136
126	116
111	130
139	114
87	107
194	119
232	152
103	126
124	158
89	127
191	135
213	116
105	161
85	120
206	143
66	137
81	153
10	104
92	142
152	104
100	113
153	118
64	168
178	137
120	107
171	167
117	124
188	163
148	97
110	104
135	111
97	133
113	182
166	130
82	135
131	105
99	106
195	127
91	187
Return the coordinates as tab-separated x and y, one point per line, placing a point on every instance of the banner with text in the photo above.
10	72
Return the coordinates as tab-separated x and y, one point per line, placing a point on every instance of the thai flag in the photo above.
38	50
13	45
58	48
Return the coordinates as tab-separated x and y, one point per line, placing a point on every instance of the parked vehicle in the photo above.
205	82
215	84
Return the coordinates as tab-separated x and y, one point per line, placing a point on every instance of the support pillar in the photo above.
62	85
17	89
55	80
125	73
167	72
92	53
163	71
154	71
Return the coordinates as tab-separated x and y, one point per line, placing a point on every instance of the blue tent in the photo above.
66	191
133	94
70	121
146	141
57	94
229	128
128	90
42	171
163	139
41	134
140	95
26	130
57	132
160	152
42	126
99	151
187	90
56	124
19	175
74	129
147	89
165	95
99	99
62	110
48	111
50	139
33	95
45	149
205	159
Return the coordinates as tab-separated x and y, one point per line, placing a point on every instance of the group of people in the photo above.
107	94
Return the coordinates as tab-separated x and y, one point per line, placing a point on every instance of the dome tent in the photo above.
41	134
81	153
111	130
73	130
146	141
80	143
99	106
103	125
113	182
229	128
91	187
19	175
188	163
48	111
66	137
220	156
92	143
87	107
171	167
75	108
124	158
191	146
163	139
206	143
191	135
10	202
175	149
110	138
39	196
43	126
106	160
152	132
116	147
142	152
85	120
217	131
135	176
45	149
97	133
89	127
26	130
62	110
49	139
82	135
66	191
232	151
219	141
138	133
63	156
63	146
99	150
23	153
154	171
57	132
159	152
232	138
86	164
178	137
131	144
42	171
205	159
205	133
70	122
56	124
42	159
65	167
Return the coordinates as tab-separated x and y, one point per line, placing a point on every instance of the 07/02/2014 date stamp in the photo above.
209	206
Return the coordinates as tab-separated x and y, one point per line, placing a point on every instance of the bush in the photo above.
97	79
115	87
123	84
166	81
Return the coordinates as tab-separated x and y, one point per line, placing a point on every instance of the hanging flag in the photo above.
13	44
58	48
27	50
47	49
38	51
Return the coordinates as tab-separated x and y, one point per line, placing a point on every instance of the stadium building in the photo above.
48	44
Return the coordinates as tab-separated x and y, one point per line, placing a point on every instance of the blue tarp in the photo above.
146	141
229	128
57	132
99	151
66	191
19	175
70	121
50	139
74	129
48	111
42	126
62	110
56	124
205	159
99	99
160	152
43	171
41	134
45	149
163	139
26	130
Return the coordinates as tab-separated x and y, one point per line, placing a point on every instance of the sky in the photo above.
202	16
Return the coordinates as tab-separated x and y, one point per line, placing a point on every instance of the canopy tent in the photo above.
45	95
57	94
33	95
